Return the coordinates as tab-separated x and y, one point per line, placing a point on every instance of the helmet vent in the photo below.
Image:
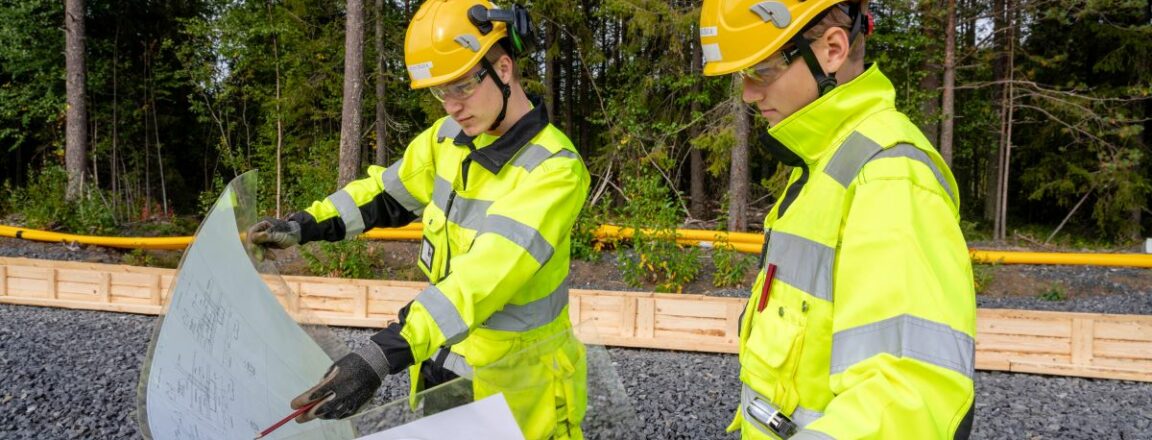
469	41
773	12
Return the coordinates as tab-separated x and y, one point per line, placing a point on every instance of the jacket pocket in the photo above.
772	354
433	249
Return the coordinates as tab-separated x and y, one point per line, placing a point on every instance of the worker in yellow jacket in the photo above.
498	189
861	322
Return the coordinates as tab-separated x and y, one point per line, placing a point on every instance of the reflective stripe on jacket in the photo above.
868	330
497	215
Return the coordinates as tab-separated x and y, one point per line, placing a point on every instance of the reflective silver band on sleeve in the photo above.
803	263
455	363
911	152
395	188
803	416
811	435
451	325
905	336
534	155
851	157
449	129
858	150
349	213
523	235
524	317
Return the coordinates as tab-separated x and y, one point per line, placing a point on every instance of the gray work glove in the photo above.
349	384
275	233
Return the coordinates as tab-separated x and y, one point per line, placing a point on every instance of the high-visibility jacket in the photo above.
867	328
497	214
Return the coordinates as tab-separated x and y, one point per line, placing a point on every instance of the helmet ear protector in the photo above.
519	25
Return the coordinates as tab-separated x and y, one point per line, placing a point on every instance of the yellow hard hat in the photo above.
736	34
446	38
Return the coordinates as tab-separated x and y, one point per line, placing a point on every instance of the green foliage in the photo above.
1055	292
43	205
139	257
342	259
584	244
655	256
731	266
983	275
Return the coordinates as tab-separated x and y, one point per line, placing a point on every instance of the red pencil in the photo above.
294	414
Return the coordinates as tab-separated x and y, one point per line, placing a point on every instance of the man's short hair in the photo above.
836	17
497	51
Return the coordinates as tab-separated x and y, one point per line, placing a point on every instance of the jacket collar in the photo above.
809	133
493	152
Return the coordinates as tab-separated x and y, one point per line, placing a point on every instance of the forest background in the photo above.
121	116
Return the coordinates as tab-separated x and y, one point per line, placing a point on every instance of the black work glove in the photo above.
275	233
347	386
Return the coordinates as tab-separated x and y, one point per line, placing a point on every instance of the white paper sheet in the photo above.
485	419
228	358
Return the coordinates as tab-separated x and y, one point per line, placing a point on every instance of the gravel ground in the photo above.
73	374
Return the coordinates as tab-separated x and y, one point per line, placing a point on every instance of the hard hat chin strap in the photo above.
861	24
505	91
824	82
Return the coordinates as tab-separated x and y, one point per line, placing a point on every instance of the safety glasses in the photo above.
767	71
461	89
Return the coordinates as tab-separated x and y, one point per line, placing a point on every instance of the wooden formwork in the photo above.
1070	344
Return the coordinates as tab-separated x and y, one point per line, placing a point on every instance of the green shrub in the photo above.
982	276
342	259
43	205
584	244
1055	292
730	266
656	257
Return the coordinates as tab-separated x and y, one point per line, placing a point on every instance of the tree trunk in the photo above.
382	156
353	86
999	228
999	75
699	206
930	27
948	100
279	118
76	138
551	69
738	176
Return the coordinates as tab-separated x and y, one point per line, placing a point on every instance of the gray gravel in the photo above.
72	374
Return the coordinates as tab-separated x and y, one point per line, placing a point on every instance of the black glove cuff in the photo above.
309	230
374	356
394	348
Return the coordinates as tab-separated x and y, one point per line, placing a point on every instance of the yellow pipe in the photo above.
749	243
1005	257
116	242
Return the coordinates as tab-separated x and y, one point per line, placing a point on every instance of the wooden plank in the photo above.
3	280
628	318
104	288
690	308
143	309
1132	328
1060	328
1112	348
1023	344
28	287
1081	343
362	302
645	318
733	320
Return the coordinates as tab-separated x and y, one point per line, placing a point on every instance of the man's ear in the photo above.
833	49
504	68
